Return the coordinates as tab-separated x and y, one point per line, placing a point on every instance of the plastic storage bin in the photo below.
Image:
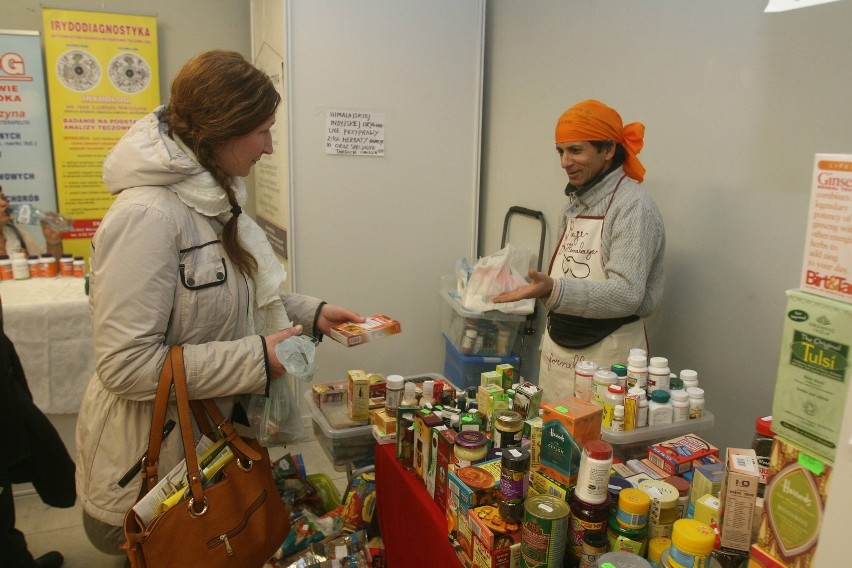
464	370
496	332
633	444
348	445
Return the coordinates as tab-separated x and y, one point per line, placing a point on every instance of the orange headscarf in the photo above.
593	120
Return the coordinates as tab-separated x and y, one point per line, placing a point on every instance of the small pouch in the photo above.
575	332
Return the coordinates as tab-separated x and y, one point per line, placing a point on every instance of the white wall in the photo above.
736	103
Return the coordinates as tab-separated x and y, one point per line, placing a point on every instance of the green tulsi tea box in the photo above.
813	373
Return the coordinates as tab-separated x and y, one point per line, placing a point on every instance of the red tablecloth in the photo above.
414	528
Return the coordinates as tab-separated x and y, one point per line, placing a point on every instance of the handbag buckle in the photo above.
192	512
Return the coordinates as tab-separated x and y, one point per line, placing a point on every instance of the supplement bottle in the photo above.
79	267
583	373
635	408
682	486
508	430
20	268
617	418
594	546
659	408
406	446
514	467
586	518
622	540
692	544
620	372
680	405
393	394
409	395
637	372
600	384
66	265
664	509
48	266
656	547
614	396
468	341
642	414
689	378
696	402
762	446
35	266
428	397
6	268
632	510
658	374
593	475
675	383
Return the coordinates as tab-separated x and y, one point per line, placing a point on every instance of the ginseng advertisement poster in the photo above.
102	76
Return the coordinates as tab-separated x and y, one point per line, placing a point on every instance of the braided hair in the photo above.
216	96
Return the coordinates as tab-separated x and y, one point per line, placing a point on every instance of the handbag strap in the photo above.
174	373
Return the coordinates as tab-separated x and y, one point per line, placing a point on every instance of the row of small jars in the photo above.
20	267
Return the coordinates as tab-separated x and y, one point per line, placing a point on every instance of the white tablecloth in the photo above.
48	321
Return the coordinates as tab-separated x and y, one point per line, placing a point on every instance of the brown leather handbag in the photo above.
240	521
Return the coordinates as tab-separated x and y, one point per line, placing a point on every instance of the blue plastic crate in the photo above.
464	370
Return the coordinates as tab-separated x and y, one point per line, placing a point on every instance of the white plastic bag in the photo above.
493	274
276	420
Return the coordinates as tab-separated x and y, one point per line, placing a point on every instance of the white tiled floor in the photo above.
47	528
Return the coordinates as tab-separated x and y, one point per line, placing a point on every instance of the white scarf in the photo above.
202	193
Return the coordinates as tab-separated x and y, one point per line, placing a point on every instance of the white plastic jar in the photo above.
689	378
659	408
637	371
680	405
603	378
696	402
584	372
614	397
20	268
658	374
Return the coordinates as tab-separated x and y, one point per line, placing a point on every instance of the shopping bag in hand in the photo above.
494	274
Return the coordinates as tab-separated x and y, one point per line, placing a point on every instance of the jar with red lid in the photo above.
592	485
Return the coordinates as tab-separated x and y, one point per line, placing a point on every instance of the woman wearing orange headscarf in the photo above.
606	274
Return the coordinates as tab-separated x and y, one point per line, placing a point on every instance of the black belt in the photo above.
575	332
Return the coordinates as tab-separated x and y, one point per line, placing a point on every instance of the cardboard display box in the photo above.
813	373
738	497
793	504
351	333
676	456
470	487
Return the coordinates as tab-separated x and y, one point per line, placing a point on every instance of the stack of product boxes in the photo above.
813	377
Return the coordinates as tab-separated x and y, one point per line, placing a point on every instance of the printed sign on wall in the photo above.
102	76
26	161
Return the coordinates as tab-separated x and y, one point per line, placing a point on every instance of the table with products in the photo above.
49	323
413	527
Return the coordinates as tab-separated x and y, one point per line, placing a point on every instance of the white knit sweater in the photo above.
633	246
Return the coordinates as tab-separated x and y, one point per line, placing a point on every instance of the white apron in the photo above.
579	256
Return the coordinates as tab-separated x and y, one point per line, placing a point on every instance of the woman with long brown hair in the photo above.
176	261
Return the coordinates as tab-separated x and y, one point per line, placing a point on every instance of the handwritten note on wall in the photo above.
351	133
